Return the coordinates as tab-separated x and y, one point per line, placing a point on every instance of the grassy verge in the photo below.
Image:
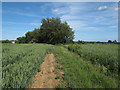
79	73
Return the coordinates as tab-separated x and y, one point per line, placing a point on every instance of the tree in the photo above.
52	31
79	42
36	36
109	41
6	41
21	40
33	41
28	36
114	41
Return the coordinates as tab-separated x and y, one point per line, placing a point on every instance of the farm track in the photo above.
46	77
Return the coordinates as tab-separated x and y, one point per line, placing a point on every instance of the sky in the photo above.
91	21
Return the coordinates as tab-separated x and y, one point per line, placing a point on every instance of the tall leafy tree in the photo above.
29	36
21	39
109	41
52	31
114	41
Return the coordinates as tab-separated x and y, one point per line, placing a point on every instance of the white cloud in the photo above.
102	7
18	23
29	14
69	17
26	14
63	10
55	10
105	6
81	21
35	24
113	27
9	23
76	25
117	9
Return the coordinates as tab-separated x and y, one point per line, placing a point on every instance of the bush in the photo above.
38	70
6	41
74	48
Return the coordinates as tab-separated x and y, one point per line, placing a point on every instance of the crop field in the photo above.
84	65
105	55
20	63
81	73
60	45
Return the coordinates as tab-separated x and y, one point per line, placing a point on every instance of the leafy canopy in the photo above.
52	31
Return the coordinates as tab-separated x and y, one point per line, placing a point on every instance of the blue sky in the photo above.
91	21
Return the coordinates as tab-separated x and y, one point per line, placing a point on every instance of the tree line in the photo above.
52	31
108	42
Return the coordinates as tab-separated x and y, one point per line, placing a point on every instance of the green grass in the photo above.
86	69
57	77
20	62
80	73
103	54
38	70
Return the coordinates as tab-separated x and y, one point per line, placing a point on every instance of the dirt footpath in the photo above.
46	77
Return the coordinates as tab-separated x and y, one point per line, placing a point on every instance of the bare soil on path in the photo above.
46	77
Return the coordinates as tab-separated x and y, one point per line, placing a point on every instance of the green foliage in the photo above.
57	77
114	41
80	73
80	42
6	41
38	70
109	41
50	50
21	40
33	41
20	62
52	31
93	69
74	48
103	54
